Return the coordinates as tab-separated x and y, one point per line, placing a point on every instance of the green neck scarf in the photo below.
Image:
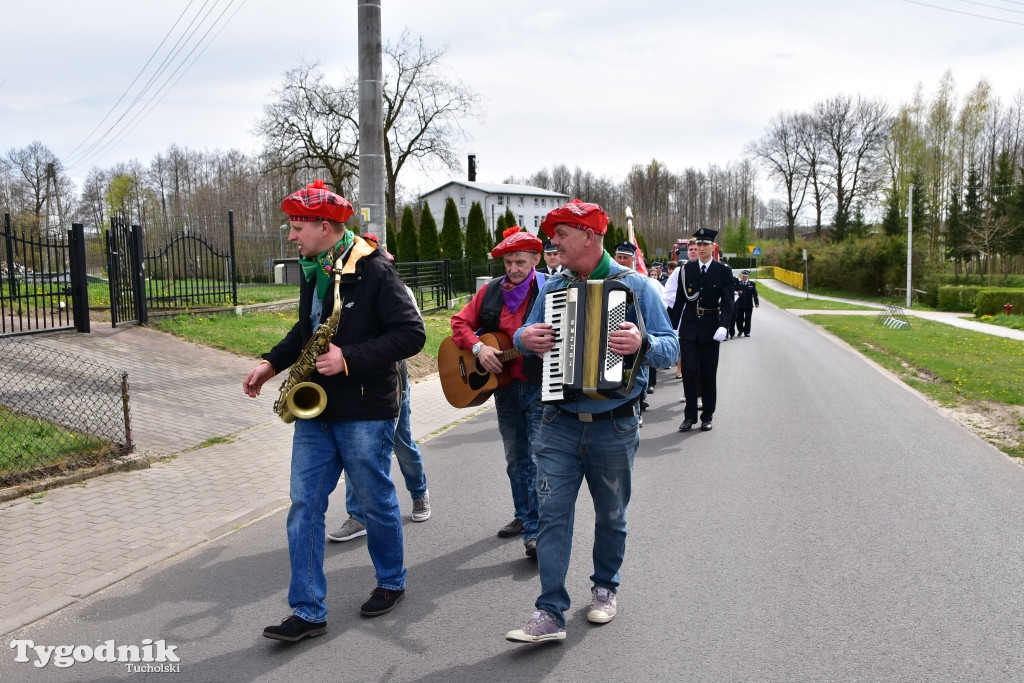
322	267
601	272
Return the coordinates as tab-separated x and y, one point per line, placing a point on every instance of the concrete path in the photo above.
964	321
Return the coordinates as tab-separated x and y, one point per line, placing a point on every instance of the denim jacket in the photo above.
664	346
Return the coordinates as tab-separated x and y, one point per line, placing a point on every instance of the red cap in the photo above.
577	214
517	239
316	203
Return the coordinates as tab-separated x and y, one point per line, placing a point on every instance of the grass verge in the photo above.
789	301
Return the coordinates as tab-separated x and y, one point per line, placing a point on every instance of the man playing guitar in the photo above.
502	306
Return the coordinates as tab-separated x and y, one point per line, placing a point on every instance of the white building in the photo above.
528	204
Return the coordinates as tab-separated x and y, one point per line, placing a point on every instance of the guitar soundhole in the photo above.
477	381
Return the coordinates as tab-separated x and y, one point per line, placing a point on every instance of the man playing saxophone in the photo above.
358	371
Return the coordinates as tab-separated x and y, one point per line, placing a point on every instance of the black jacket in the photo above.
379	326
714	292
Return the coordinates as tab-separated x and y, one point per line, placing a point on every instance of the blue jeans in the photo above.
519	415
410	460
320	450
568	451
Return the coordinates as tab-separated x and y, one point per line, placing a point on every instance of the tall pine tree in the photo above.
408	242
392	241
451	231
430	250
476	234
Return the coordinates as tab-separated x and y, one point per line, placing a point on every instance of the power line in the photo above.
1001	9
130	85
969	14
168	84
125	123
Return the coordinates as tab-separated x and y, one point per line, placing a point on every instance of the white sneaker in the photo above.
421	508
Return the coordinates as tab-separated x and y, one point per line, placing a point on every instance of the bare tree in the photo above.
853	132
779	151
312	127
423	107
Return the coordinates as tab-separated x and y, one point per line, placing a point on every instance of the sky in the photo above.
597	84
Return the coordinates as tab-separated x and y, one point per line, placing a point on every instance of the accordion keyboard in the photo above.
552	374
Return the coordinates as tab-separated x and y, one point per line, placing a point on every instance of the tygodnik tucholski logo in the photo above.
150	656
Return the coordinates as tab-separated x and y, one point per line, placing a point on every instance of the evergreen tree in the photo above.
476	234
972	216
430	250
956	233
510	219
892	223
610	240
392	241
408	241
451	232
919	210
499	229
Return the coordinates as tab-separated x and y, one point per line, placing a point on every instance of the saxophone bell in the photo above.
305	400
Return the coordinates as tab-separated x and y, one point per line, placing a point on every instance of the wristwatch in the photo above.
476	347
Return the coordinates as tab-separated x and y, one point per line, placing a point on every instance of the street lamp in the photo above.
281	232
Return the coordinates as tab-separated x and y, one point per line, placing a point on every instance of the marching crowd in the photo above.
679	315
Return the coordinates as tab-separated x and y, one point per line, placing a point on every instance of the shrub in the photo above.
990	301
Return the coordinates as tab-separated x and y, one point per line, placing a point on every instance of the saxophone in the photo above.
298	396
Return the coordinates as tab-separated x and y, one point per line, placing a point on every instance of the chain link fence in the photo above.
58	412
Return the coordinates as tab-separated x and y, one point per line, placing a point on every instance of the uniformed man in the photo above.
702	301
625	255
746	302
552	262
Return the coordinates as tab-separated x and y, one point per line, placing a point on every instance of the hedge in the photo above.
958	298
991	301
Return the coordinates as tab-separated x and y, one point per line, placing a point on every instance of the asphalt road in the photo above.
833	526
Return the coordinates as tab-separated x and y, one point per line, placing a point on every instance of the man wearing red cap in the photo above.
501	306
355	432
585	437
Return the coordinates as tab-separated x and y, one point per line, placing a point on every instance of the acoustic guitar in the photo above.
465	382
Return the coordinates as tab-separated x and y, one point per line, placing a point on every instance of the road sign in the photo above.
757	251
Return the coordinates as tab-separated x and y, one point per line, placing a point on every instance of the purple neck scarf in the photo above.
515	295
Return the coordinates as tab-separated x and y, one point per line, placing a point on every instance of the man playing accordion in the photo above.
586	437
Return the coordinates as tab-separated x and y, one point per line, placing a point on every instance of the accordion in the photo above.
581	364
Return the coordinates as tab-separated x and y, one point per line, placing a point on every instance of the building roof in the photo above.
499	188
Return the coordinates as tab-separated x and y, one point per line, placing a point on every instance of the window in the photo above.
536	221
500	200
462	200
536	202
542	201
521	201
463	221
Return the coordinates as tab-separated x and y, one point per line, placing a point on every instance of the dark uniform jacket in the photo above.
747	295
379	326
713	306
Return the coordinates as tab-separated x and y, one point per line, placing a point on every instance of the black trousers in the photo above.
700	370
743	320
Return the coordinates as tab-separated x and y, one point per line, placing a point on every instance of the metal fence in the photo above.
58	412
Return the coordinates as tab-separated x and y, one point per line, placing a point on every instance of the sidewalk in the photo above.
961	320
64	544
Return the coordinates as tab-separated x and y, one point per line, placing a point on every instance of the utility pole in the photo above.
371	121
910	244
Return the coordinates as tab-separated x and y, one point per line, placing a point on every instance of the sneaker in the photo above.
421	508
347	531
295	628
381	602
513	528
602	607
539	628
531	547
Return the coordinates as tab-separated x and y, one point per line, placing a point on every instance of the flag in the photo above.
641	265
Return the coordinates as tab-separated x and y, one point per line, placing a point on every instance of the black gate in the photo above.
430	282
42	282
124	272
189	271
